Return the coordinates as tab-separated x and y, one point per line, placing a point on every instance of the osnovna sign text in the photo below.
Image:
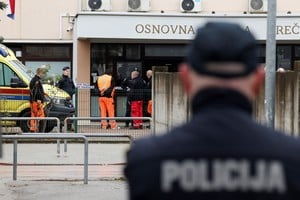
165	29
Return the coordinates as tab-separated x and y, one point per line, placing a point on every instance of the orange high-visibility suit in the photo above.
36	103
105	86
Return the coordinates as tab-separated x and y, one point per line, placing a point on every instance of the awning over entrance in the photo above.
176	27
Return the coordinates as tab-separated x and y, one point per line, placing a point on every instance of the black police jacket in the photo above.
137	87
36	89
67	84
221	153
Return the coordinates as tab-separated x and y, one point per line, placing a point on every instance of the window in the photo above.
133	52
165	50
297	51
5	75
54	68
284	57
115	50
124	69
98	60
53	52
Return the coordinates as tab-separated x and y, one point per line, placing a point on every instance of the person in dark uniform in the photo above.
126	88
66	83
136	97
148	93
222	152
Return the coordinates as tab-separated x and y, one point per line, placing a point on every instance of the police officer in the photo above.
221	153
66	83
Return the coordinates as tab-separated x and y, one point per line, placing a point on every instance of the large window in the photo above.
284	57
53	52
55	57
164	50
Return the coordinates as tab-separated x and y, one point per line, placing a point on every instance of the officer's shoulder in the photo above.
152	147
284	142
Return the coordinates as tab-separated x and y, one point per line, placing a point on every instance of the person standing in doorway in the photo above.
37	99
105	84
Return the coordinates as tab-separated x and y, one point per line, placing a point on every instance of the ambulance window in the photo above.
5	75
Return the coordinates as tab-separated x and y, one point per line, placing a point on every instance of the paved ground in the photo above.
42	174
45	190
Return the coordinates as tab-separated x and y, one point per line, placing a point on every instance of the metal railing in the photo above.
33	118
101	135
47	136
106	118
37	118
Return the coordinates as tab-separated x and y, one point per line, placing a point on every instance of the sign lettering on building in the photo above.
165	29
156	27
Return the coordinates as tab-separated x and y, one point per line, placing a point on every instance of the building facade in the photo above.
93	35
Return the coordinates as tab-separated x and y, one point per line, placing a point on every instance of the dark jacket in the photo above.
136	92
148	90
36	89
222	153
67	84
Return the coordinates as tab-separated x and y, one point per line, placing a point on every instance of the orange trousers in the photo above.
149	107
107	109
137	111
37	110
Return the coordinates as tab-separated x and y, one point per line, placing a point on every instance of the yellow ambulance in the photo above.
14	93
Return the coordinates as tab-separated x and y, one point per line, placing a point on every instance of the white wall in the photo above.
39	20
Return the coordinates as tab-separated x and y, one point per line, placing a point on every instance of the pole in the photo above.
270	65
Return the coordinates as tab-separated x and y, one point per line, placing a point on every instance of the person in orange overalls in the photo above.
105	85
37	99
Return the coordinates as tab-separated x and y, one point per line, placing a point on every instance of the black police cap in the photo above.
221	42
65	68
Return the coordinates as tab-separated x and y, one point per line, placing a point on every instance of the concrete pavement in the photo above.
42	174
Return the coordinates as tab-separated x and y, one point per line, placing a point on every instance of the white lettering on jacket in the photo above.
225	175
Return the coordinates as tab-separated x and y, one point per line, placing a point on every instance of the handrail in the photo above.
48	136
37	118
104	118
99	135
32	118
